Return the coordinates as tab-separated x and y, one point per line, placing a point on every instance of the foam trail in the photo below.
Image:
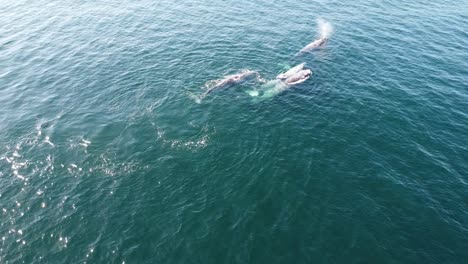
325	28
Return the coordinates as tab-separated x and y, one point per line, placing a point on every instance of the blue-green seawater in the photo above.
105	156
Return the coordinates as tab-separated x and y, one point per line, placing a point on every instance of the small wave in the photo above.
199	143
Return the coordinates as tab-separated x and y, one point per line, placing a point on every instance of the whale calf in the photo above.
229	81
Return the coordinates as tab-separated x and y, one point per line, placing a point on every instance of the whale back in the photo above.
291	72
227	81
315	44
299	77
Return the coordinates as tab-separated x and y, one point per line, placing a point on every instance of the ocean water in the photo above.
106	157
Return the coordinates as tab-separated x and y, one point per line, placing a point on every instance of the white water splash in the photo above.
84	143
194	97
47	140
268	90
253	93
324	28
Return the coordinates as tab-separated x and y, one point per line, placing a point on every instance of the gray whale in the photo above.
228	81
314	45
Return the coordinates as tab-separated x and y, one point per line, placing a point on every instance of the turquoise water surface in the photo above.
106	156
